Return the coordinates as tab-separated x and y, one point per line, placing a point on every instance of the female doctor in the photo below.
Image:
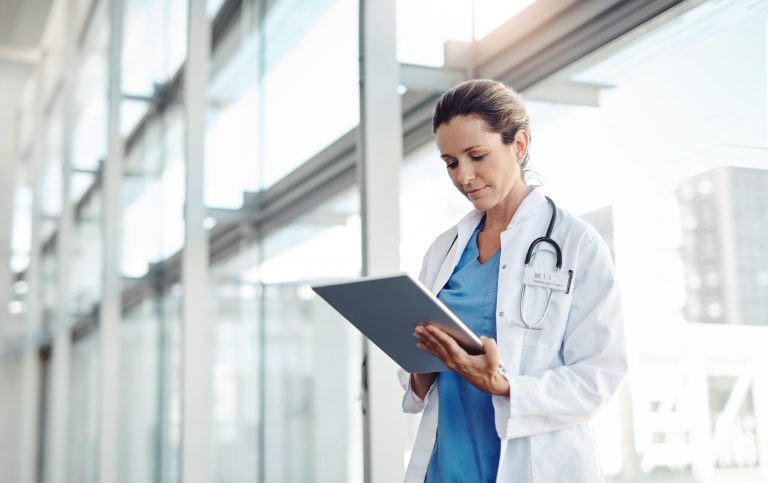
553	338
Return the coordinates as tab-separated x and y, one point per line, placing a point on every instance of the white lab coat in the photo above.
560	376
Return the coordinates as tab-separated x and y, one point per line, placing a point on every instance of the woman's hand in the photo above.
481	370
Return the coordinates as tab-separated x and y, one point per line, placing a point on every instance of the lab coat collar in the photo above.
528	207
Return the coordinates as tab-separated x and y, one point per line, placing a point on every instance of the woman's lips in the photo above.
475	193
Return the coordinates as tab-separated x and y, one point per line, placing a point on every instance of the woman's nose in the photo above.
466	173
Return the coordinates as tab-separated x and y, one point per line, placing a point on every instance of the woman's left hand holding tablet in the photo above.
482	371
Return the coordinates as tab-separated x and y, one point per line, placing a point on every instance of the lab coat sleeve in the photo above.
593	353
411	402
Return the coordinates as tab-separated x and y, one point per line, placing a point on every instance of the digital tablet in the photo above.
387	309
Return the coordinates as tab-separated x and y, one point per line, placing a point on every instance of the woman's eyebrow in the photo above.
465	150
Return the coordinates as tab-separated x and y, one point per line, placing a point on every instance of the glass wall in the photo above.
141	350
312	355
83	418
657	138
88	152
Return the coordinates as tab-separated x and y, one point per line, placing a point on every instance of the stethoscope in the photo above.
547	238
529	258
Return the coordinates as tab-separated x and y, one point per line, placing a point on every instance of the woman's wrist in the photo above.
499	385
421	382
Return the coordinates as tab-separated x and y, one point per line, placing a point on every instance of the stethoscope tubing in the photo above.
547	239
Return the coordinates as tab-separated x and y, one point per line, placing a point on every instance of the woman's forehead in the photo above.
462	133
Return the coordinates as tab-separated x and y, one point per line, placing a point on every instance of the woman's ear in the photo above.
521	145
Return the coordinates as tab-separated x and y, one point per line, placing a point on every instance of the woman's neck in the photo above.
499	217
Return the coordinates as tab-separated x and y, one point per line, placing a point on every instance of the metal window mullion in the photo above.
62	336
30	393
110	307
379	158
196	327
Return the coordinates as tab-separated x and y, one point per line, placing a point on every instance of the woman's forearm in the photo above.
420	383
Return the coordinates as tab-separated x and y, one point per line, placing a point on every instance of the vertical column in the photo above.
61	326
30	374
8	179
379	157
196	358
110	308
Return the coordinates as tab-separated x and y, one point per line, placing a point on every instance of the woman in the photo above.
520	411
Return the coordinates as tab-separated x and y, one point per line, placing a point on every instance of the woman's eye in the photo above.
452	165
479	157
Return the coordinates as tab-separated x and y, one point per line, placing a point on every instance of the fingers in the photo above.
438	343
425	342
491	349
445	341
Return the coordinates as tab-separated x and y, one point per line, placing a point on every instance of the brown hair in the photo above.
497	104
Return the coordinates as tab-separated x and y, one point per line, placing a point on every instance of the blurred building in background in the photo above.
174	175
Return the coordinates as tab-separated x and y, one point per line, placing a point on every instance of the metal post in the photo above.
30	374
109	311
8	178
196	357
62	343
379	157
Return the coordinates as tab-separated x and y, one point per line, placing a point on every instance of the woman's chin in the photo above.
481	204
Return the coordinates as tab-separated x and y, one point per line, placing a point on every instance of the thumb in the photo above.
490	348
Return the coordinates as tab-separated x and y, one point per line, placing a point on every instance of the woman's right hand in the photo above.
420	383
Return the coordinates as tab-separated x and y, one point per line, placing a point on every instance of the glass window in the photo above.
312	355
153	196
310	97
89	139
149	431
21	229
425	26
232	157
658	139
151	58
83	420
235	304
52	170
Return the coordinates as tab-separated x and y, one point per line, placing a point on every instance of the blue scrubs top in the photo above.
467	446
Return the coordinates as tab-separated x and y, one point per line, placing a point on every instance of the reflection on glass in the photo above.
233	139
312	355
302	117
154	48
83	420
153	196
235	306
51	173
87	260
658	142
150	381
429	204
89	137
21	230
423	28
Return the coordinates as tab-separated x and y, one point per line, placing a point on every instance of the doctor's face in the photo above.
481	166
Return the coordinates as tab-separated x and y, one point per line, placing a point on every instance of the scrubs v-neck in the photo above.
467	446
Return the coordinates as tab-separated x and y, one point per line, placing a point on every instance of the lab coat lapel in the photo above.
465	228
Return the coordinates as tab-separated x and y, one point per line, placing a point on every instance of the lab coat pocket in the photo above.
549	337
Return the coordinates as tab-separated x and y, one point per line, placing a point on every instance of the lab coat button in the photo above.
501	314
504	266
